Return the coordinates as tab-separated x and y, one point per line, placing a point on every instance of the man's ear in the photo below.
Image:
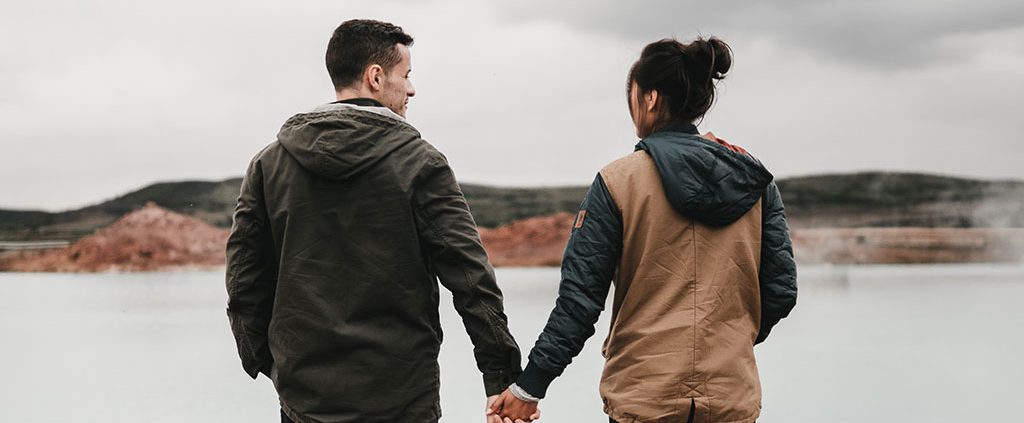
374	77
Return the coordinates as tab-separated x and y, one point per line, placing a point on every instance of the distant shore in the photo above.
540	242
32	245
156	239
909	245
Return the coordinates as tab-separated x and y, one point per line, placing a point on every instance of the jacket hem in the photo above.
623	418
297	418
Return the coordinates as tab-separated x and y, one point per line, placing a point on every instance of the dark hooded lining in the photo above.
361	101
702	179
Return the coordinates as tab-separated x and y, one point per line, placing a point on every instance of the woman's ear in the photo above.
651	100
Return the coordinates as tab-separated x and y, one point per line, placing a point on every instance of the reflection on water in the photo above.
872	343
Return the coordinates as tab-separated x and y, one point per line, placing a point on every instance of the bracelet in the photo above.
521	394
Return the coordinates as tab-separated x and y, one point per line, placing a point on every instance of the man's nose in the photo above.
412	91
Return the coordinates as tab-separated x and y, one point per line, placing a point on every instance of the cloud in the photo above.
874	33
101	97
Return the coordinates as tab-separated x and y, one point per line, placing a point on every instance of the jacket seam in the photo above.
243	259
465	274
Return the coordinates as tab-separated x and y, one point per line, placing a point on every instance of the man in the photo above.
342	227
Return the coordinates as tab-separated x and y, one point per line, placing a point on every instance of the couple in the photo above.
347	221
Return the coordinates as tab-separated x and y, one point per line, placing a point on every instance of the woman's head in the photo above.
675	82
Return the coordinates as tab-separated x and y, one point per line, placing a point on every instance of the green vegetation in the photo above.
863	199
214	202
496	206
882	199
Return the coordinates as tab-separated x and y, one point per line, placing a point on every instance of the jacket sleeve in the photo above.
449	238
777	275
251	275
588	266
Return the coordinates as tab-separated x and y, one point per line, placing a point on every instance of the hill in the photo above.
494	207
211	202
146	239
535	241
874	199
880	199
214	202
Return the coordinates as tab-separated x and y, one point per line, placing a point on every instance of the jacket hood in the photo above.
704	179
338	141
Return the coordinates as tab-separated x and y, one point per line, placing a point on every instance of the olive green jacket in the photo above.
341	231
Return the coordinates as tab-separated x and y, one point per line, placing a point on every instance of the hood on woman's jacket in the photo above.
706	180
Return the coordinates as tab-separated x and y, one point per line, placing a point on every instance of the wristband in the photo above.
521	394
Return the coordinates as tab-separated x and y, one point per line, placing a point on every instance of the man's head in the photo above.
367	58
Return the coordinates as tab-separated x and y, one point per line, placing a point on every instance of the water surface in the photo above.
868	343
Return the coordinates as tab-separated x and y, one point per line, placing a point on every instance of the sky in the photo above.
98	98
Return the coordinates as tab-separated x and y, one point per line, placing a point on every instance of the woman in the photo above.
693	232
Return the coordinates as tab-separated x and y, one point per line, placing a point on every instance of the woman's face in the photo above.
634	107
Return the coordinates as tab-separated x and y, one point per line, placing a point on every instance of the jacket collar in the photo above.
677	126
362	101
366	105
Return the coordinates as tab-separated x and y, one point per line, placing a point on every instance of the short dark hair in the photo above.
359	43
683	74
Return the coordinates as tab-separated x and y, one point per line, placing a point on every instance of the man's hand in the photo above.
491	418
512	409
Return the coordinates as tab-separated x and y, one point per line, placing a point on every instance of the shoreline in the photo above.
154	239
806	269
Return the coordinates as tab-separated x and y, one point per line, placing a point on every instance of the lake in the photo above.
938	343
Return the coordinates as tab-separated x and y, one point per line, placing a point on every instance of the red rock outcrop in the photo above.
150	238
153	238
537	241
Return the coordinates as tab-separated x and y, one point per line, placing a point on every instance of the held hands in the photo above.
506	408
491	418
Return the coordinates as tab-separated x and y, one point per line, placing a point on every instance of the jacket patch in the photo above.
579	219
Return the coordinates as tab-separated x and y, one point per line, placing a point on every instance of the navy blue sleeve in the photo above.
777	275
588	265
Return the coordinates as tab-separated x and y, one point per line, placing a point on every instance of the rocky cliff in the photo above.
147	239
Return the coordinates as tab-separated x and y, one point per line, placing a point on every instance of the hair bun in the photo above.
715	53
684	75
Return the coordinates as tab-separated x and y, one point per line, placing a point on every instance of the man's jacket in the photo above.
342	229
694	235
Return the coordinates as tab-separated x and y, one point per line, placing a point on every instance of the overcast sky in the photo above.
98	98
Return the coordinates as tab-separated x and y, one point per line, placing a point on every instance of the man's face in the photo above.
396	88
